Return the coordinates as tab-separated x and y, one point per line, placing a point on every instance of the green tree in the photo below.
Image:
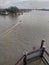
13	10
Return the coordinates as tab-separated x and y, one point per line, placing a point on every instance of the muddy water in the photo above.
16	36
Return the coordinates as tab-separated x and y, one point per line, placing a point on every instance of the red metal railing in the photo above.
46	52
39	52
22	58
20	61
33	52
46	56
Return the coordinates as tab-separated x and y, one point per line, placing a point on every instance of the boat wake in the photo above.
10	29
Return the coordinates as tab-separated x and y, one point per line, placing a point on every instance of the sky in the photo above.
22	4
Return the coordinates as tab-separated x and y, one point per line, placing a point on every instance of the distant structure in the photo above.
3	12
13	10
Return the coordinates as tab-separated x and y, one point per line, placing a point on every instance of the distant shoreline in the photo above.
41	9
13	11
18	11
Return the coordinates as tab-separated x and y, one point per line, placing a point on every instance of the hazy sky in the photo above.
7	3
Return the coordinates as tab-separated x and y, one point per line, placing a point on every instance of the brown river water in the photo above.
16	36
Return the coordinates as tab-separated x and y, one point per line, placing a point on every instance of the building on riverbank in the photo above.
3	12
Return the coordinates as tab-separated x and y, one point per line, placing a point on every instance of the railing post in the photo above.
42	47
25	57
42	43
25	61
42	52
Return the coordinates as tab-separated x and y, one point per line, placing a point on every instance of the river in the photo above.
16	36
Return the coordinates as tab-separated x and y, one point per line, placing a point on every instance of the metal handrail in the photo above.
17	63
22	58
46	52
27	56
33	52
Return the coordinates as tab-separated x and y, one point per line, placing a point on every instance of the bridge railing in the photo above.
20	61
46	56
29	56
41	52
34	54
